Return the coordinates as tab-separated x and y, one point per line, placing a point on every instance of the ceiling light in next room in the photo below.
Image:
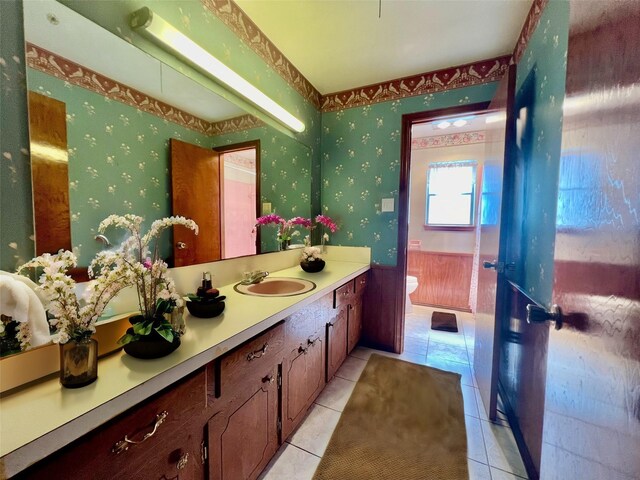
444	124
171	38
461	122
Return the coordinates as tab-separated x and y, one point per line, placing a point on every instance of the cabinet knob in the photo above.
302	349
183	461
268	379
181	246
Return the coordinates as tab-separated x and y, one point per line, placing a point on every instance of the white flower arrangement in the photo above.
310	254
72	319
139	263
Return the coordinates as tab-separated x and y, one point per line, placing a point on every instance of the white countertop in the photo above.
37	420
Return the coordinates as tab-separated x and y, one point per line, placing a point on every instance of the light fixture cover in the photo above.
170	37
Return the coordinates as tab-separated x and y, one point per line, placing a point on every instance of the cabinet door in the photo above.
337	340
244	435
303	380
355	324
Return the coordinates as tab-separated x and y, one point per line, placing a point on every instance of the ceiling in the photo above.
342	44
474	123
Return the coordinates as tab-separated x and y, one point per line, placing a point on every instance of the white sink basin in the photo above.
276	287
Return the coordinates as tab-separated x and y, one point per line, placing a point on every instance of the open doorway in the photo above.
240	197
442	157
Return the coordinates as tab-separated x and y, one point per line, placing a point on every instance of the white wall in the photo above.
434	240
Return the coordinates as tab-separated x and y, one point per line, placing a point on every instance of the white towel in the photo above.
20	302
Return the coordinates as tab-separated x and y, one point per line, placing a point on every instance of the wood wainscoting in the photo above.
444	279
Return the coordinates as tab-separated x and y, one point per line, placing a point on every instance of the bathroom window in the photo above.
450	196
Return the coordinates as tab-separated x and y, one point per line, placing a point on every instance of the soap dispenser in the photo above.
206	284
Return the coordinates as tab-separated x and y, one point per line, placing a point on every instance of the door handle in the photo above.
496	265
181	245
536	314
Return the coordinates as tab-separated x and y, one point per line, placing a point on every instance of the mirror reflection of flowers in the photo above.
137	260
286	228
72	318
327	224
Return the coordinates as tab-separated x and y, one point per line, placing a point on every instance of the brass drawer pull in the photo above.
258	353
363	281
123	445
183	461
268	379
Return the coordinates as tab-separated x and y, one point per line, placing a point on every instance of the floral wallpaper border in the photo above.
529	27
76	74
240	24
448	140
476	73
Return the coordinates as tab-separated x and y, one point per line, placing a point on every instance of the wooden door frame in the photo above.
403	200
255	144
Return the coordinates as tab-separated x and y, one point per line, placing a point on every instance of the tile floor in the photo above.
491	448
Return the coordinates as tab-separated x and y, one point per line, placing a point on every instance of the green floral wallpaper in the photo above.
361	165
118	160
541	75
286	172
16	225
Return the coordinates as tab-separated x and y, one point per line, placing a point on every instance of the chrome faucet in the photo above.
253	277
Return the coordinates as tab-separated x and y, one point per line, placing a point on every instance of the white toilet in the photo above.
412	285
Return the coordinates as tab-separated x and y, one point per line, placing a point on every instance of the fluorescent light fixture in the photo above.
444	124
460	123
169	36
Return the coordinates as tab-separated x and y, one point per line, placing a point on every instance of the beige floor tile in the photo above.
291	462
314	432
502	450
351	368
475	442
461	368
363	353
478	471
449	338
446	351
469	397
497	474
415	344
336	394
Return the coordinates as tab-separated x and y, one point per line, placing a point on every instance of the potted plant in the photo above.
311	260
137	259
73	320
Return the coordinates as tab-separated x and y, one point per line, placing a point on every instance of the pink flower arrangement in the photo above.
327	222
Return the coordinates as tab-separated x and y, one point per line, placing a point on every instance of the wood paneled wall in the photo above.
444	279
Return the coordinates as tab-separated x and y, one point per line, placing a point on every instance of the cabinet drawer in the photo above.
343	294
361	284
252	359
106	453
302	325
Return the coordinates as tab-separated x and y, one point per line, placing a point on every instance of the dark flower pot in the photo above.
151	346
312	267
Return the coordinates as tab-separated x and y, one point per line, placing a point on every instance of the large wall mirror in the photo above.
106	118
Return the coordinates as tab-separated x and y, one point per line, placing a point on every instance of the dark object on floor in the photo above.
403	421
444	321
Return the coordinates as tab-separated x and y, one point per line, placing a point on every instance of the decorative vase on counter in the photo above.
152	344
78	362
284	245
312	266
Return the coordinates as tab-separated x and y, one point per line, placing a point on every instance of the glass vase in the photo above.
78	363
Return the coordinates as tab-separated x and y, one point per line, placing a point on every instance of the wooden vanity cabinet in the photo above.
243	433
165	441
303	371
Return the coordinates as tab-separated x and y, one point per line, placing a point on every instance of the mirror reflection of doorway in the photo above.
239	195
